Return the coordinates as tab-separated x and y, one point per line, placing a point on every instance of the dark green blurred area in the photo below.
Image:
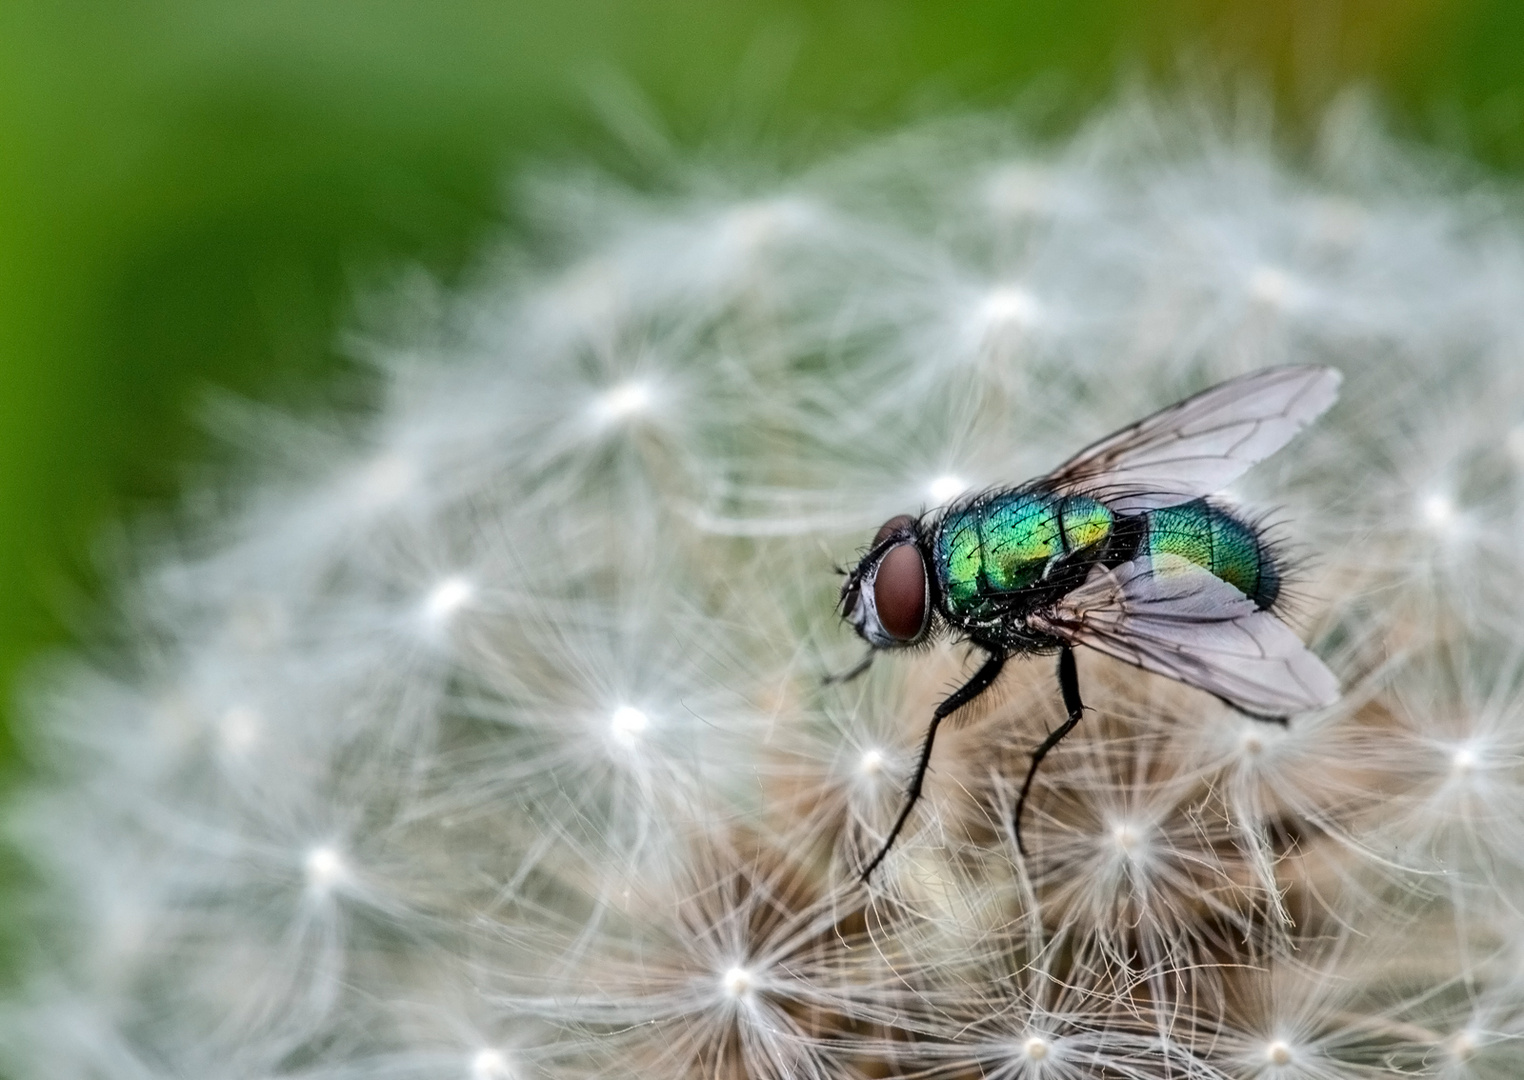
189	191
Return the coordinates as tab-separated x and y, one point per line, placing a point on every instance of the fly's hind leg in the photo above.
1264	718
1068	685
977	684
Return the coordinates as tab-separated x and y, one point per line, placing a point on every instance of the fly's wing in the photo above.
1167	615
1201	444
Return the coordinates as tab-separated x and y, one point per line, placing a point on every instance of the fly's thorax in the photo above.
1215	540
997	547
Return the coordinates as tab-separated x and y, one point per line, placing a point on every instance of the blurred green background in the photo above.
191	189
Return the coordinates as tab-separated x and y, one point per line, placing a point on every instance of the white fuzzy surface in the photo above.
491	743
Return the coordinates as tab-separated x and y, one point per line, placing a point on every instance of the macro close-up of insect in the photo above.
1119	549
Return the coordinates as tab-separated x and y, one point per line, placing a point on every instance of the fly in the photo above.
1117	549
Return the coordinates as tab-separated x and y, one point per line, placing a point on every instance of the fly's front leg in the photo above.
1068	686
976	685
851	673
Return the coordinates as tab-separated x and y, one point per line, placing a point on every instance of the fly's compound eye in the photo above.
899	592
899	523
886	598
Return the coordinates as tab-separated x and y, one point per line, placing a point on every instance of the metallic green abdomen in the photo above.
1007	543
1215	540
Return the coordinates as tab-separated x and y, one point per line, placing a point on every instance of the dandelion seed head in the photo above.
619	826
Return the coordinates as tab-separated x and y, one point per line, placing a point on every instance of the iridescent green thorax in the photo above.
1212	538
1008	542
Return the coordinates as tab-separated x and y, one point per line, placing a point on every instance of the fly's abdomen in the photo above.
1009	543
1215	540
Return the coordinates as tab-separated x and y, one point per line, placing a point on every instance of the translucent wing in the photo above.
1167	615
1201	444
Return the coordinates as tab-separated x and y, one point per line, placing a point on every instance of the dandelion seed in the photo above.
623	401
1514	441
1272	287
446	599
1277	1051
590	295
257	623
384	481
1463	760
490	1065
1007	308
871	763
1340	222
325	869
1020	190
1438	511
1036	1048
1129	838
753	226
240	728
737	982
174	722
946	488
628	724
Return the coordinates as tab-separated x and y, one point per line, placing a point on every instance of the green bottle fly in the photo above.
1117	549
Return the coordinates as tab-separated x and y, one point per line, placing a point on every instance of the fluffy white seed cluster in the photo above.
491	742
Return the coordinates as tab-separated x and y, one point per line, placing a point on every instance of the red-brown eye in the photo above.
899	592
892	526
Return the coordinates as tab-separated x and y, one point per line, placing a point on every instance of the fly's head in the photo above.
887	595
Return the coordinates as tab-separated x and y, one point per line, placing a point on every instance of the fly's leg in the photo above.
1068	685
1266	718
976	685
851	673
